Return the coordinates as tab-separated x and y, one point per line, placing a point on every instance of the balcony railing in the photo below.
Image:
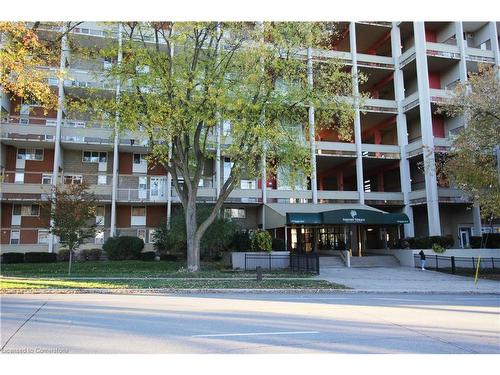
407	57
380	105
375	61
410	101
479	55
443	50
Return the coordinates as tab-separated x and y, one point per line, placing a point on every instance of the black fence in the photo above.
304	262
458	265
266	261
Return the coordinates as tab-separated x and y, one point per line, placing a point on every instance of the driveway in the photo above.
406	279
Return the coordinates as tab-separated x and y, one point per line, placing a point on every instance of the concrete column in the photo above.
116	143
218	135
462	44
476	217
494	42
426	127
60	109
357	118
169	188
312	130
404	165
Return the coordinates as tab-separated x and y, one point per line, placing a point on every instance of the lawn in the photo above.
131	268
53	283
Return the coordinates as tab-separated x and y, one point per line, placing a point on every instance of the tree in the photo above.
181	81
472	165
72	210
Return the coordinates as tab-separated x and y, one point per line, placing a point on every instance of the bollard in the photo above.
259	273
453	269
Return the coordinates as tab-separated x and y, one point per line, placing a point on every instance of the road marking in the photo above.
257	334
404	299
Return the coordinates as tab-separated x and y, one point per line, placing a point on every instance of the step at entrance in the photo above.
332	261
375	261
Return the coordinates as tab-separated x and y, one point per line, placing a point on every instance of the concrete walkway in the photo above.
406	279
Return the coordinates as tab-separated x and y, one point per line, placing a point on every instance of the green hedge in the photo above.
490	241
261	241
428	242
34	257
123	248
148	256
63	255
8	258
90	254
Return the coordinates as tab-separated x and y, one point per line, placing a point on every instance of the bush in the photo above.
428	242
8	258
490	241
63	255
169	257
35	257
91	254
241	241
261	241
278	244
148	255
123	248
438	249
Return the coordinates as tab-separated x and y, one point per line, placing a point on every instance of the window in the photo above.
99	237
151	236
30	154
99	215
94	157
43	236
19	178
140	159
139	211
141	233
14	237
47	179
248	184
235	213
72	179
17	210
102	179
30	210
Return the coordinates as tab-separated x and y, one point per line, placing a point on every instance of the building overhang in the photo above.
279	215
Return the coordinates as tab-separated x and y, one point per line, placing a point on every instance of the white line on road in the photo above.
257	334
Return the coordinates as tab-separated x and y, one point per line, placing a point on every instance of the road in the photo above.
251	323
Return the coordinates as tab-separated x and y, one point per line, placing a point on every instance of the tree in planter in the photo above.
471	164
72	210
261	241
183	81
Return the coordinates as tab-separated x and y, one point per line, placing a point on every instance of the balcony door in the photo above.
158	187
143	187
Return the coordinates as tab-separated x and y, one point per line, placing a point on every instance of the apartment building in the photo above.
377	187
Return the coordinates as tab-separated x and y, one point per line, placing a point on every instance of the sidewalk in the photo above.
406	279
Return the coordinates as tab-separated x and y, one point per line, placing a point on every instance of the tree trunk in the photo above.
192	241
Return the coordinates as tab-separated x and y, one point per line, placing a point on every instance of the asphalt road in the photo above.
251	323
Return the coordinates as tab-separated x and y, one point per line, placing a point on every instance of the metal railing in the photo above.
305	262
457	265
266	261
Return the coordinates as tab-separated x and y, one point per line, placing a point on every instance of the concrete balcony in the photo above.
338	195
23	191
380	151
335	149
379	106
479	55
379	196
89	136
140	196
289	194
410	101
27	135
374	61
443	50
413	148
440	96
417	196
452	195
407	57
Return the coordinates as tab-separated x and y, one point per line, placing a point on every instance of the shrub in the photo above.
35	257
148	255
428	242
241	241
63	255
123	248
489	240
261	241
278	244
91	254
438	249
169	257
8	258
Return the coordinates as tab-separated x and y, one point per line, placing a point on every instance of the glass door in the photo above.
158	188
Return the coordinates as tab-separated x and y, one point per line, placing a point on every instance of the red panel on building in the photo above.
125	162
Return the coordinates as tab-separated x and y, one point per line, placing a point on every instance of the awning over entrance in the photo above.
279	215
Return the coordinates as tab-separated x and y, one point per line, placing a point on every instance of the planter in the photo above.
266	260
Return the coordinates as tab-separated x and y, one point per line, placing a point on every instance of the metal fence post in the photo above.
317	264
245	261
452	264
307	262
473	264
492	262
437	265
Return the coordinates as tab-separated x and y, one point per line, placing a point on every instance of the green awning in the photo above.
304	218
281	214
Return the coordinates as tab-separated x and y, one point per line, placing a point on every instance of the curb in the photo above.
233	290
